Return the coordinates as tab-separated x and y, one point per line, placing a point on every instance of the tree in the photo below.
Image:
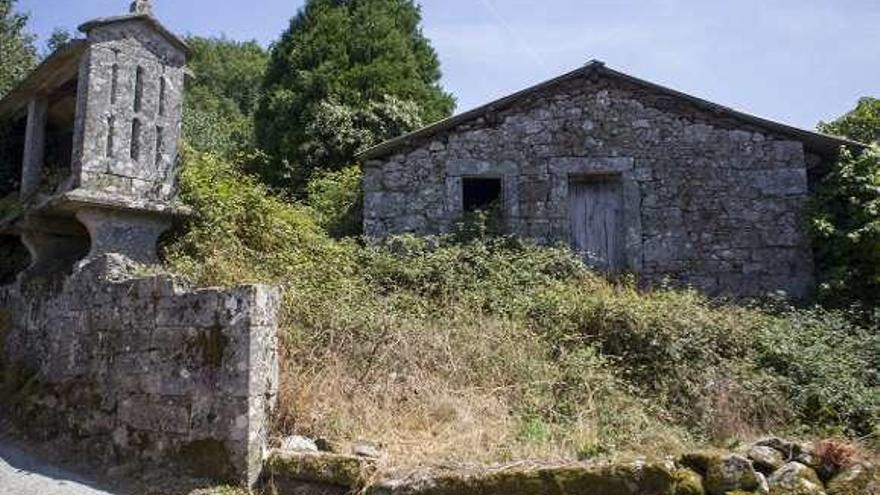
347	74
223	95
18	55
846	223
860	124
57	39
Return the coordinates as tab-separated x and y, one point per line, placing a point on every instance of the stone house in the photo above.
637	177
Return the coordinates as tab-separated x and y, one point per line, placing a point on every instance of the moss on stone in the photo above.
207	458
795	479
730	473
860	479
644	479
699	461
330	469
688	482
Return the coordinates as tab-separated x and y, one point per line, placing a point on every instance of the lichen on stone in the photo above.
795	479
729	473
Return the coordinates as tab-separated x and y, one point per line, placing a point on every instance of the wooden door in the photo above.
595	206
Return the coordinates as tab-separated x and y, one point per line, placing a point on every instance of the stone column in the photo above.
34	146
130	233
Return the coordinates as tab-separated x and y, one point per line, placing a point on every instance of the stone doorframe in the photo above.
563	170
458	170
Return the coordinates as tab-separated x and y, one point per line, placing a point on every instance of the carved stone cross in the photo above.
142	7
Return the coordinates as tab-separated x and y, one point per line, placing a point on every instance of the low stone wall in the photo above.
138	369
770	467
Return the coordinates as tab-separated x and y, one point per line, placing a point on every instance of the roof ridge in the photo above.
823	142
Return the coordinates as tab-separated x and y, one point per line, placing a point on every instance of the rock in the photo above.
763	485
730	473
688	482
804	453
766	459
602	479
287	468
366	450
795	479
296	443
860	479
698	461
789	450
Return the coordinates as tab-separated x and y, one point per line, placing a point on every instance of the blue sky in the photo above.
796	61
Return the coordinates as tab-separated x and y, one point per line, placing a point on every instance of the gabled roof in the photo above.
819	143
149	19
54	71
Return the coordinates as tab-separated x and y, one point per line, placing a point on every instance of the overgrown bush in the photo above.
846	216
846	227
336	198
496	349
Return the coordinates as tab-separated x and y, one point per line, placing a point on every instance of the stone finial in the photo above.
142	7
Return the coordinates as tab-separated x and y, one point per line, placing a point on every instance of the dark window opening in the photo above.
111	128
15	258
58	139
114	84
159	144
136	140
138	89
12	134
480	193
162	96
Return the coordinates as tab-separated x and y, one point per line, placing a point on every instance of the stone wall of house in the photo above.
709	202
136	368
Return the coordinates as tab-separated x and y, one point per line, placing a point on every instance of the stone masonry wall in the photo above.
137	368
708	202
113	97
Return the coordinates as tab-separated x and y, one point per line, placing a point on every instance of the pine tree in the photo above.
18	55
346	75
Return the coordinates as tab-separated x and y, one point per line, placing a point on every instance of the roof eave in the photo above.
153	21
62	63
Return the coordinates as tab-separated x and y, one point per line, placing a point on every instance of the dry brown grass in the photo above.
838	453
453	390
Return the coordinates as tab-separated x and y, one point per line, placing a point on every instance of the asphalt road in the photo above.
23	474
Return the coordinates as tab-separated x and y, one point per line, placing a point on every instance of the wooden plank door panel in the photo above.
596	215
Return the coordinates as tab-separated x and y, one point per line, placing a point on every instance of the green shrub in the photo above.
498	349
846	228
337	200
829	366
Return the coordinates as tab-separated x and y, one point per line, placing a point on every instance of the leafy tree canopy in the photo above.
18	55
57	39
347	74
223	94
846	222
860	124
